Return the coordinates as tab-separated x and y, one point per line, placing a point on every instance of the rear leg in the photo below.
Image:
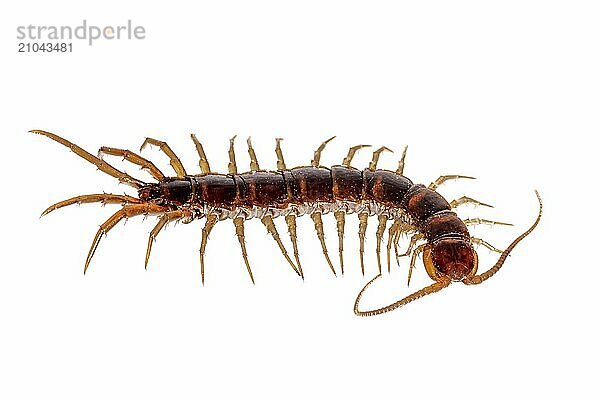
134	159
270	225
239	231
340	218
316	217
164	147
290	220
102	165
211	220
93	198
126	212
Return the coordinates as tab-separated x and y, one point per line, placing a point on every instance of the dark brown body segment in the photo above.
347	183
310	185
445	224
421	203
385	187
262	189
217	190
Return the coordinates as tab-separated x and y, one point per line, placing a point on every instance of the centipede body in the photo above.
418	210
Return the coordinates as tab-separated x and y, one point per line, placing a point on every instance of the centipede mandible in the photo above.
400	206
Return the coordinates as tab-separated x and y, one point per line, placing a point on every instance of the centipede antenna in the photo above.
468	200
316	217
290	220
211	220
487	245
279	153
101	164
481	221
413	260
376	154
253	161
165	148
477	279
93	198
340	218
203	163
434	287
348	159
317	157
400	170
270	225
363	220
239	231
444	178
379	235
232	167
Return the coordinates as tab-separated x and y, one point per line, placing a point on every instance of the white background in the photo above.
505	91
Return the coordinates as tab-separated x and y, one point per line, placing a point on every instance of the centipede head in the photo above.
452	257
150	192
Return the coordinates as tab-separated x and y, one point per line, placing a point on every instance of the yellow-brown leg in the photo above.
316	161
379	235
481	221
413	260
340	218
270	225
232	167
163	220
133	158
211	220
467	200
413	241
391	234
376	154
253	161
239	231
203	163
363	220
173	159
444	178
104	198
346	162
400	169
279	153
126	212
316	217
482	242
290	220
101	164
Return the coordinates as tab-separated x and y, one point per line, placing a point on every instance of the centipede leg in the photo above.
316	161
239	231
101	164
376	154
444	178
126	212
481	221
482	242
400	169
133	158
413	241
211	220
104	198
270	225
316	217
348	159
165	148
232	166
253	161
467	200
391	235
290	220
163	220
363	219
413	260
279	153
203	162
340	218
379	235
477	279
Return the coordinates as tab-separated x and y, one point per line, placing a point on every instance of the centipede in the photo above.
437	233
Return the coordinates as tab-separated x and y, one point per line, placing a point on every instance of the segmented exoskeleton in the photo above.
437	232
